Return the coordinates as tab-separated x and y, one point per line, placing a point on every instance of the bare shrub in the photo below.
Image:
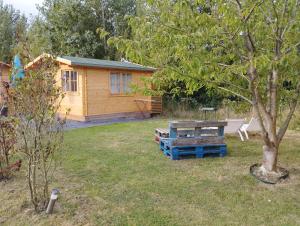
7	142
35	102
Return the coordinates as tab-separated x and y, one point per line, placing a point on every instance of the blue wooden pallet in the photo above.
199	151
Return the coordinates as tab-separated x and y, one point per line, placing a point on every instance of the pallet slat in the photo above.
199	151
196	124
197	141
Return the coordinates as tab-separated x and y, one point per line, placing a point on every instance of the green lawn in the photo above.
116	175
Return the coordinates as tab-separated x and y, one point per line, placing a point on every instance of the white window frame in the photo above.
68	83
120	83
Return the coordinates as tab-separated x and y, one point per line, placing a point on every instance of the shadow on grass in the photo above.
295	171
243	150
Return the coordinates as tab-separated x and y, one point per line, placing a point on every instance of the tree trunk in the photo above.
270	158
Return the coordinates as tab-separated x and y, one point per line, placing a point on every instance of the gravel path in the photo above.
71	124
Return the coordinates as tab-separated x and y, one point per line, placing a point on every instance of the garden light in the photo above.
53	198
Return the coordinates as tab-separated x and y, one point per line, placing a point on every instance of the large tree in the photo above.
72	27
246	48
12	29
35	42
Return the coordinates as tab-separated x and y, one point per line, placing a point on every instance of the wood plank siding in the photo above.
101	101
4	76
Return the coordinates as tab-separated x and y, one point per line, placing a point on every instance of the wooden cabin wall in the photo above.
100	101
94	97
4	77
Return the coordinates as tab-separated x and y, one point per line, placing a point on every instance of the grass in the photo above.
115	175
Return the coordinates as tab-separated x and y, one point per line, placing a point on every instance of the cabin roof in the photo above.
4	64
95	63
88	62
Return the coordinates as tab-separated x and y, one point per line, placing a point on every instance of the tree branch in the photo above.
286	123
236	94
239	4
252	10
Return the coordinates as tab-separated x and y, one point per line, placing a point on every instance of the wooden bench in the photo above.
196	138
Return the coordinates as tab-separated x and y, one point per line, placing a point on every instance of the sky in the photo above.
25	6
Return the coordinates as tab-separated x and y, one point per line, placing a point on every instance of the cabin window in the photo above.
126	83
69	81
120	83
115	83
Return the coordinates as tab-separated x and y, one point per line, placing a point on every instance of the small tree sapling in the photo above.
34	102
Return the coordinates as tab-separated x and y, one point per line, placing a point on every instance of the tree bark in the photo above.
270	158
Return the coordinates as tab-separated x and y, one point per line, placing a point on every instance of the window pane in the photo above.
129	81
112	83
65	80
74	75
126	83
118	83
73	81
115	83
74	86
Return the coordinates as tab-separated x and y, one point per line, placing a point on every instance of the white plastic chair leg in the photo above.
241	135
246	134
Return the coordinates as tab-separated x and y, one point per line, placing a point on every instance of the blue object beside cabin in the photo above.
18	72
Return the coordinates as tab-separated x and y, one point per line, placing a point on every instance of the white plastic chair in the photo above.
234	126
252	126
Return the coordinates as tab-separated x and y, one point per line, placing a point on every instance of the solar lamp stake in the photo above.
53	198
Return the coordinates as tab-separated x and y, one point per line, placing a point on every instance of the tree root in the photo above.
269	177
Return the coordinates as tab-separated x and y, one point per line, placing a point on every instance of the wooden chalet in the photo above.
102	89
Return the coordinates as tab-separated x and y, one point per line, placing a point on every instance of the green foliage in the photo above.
176	92
65	27
203	43
12	29
37	40
72	27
